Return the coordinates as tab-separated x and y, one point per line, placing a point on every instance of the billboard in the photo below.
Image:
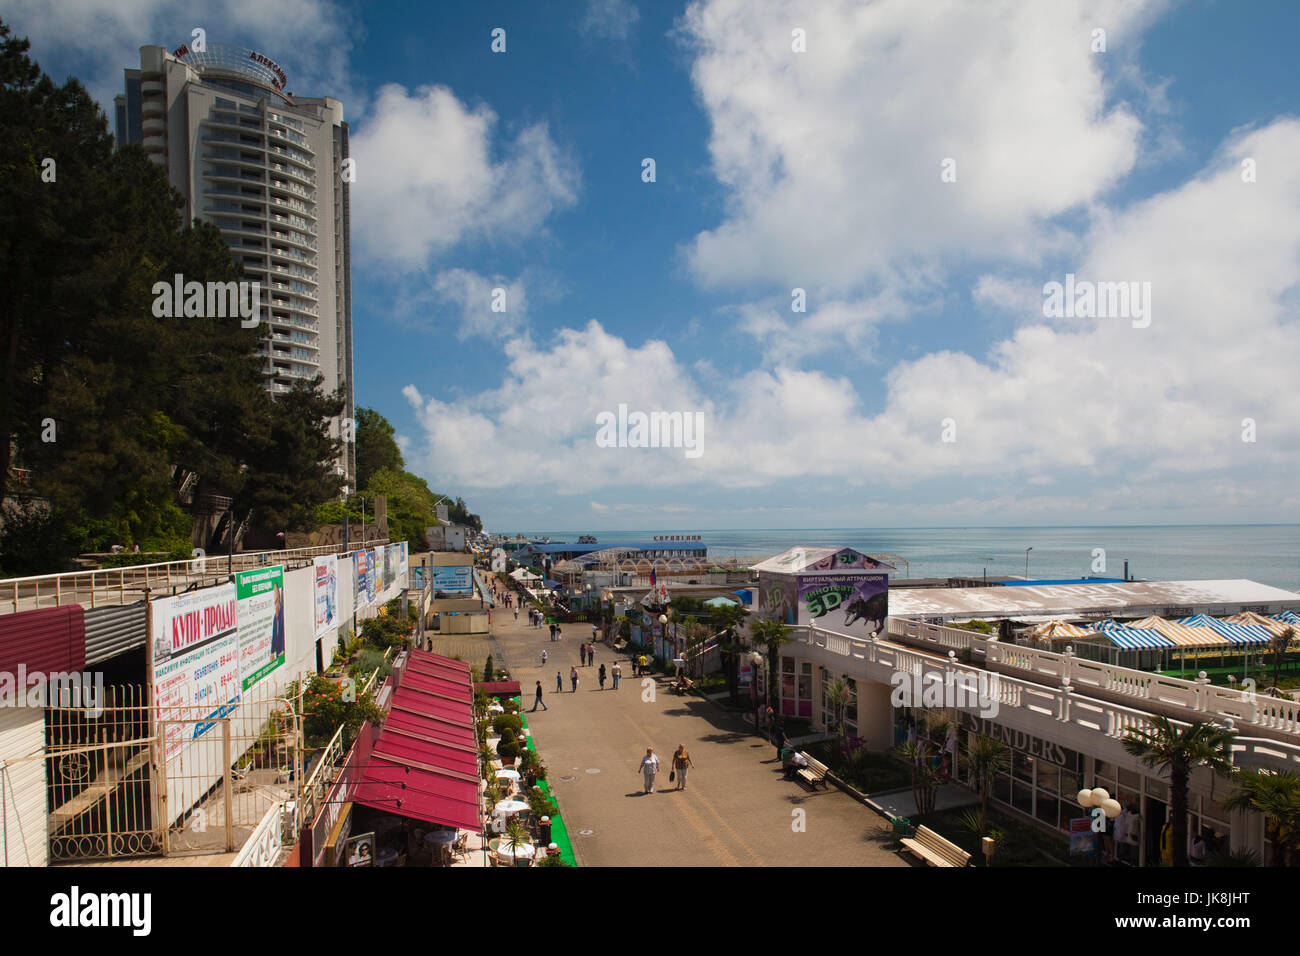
392	557
371	572
404	564
453	579
196	660
327	594
260	615
361	570
381	584
778	597
854	604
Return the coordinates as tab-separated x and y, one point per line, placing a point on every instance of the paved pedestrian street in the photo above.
737	809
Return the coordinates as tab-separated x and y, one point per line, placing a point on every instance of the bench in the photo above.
814	773
935	850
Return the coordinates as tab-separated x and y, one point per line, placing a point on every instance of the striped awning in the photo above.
1252	617
1185	636
1288	617
1236	633
1133	639
1058	630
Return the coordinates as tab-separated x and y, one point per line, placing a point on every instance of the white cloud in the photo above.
426	177
1116	418
310	39
832	157
609	19
476	294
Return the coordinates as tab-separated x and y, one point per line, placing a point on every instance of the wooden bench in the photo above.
814	773
934	849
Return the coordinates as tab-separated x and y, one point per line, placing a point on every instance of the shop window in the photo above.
1022	766
1049	779
1022	797
1048	809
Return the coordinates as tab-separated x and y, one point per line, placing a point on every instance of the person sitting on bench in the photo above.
797	762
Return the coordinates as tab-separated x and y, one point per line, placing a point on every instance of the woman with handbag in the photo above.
681	763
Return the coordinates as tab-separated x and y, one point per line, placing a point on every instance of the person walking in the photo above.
681	763
552	632
602	676
559	683
539	702
516	613
582	655
649	767
573	678
591	654
595	634
543	657
558	633
617	671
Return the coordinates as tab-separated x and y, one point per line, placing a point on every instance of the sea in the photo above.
1269	554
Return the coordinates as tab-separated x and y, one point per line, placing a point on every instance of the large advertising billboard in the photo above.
195	660
361	568
392	556
854	604
372	572
260	612
453	579
381	585
327	594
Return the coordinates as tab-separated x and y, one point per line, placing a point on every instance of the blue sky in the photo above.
923	385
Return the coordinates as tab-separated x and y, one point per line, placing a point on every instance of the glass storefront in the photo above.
796	688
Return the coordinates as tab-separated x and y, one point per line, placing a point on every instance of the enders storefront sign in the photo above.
1021	741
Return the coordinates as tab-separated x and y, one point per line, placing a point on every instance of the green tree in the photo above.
987	757
1277	796
1279	646
1165	747
925	778
377	448
771	635
291	467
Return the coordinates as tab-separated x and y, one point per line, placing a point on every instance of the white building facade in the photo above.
266	168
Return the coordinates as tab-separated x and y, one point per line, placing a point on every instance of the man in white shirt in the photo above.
649	767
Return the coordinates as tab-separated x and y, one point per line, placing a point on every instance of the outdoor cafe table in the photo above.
509	808
445	837
501	849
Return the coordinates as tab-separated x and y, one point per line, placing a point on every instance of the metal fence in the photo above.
114	793
126	585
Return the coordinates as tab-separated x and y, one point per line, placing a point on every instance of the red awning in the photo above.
499	688
424	763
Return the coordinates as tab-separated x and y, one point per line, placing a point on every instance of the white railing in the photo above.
950	638
126	585
1245	707
1061	700
263	847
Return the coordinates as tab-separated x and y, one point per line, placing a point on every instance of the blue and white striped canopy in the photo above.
1237	633
1133	638
1287	617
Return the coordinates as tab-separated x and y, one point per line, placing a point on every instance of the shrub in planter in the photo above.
502	721
488	673
508	750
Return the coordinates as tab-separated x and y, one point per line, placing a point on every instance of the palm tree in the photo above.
987	757
1277	796
1279	645
839	696
516	835
925	779
730	620
772	635
1163	746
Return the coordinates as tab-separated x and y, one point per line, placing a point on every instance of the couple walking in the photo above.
681	760
587	653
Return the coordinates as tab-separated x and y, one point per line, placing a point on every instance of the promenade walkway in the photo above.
737	809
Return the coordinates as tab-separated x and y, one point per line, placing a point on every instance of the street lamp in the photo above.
1027	550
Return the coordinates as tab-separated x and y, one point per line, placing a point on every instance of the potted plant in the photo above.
515	836
507	750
